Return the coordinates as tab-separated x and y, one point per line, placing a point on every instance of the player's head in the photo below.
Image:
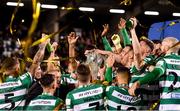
123	75
157	47
83	73
48	82
126	54
57	75
11	66
38	73
147	47
167	43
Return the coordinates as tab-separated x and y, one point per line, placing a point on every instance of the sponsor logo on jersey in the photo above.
10	84
175	95
42	102
125	97
172	61
88	93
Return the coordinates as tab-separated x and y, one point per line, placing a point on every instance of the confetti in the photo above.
13	16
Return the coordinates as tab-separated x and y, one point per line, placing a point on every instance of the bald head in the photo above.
167	44
171	40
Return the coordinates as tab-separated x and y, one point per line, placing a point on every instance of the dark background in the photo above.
99	17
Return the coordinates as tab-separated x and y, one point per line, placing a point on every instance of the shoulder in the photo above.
26	77
69	94
96	85
110	88
58	100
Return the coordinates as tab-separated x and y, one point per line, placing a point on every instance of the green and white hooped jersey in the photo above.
118	98
152	88
89	97
12	94
67	79
170	99
44	102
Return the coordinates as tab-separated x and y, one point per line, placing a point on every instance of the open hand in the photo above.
72	38
106	29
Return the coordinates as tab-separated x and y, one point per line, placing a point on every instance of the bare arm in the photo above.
72	39
136	46
38	57
103	52
52	62
117	57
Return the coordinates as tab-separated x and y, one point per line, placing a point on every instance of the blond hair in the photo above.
171	42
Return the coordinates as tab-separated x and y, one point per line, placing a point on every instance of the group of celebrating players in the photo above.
135	74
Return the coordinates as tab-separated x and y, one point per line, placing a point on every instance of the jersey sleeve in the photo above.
150	59
59	104
106	44
161	66
26	80
108	74
107	90
126	38
69	105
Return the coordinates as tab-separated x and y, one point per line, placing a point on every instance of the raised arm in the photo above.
109	64
72	39
103	52
53	62
136	45
106	44
38	56
123	32
117	57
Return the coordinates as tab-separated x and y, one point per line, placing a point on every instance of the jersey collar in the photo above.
123	85
45	93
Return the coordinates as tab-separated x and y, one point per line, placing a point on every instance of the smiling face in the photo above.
38	73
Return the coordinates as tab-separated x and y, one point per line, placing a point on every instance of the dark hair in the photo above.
47	80
90	47
81	58
83	72
129	46
149	43
125	71
9	63
122	69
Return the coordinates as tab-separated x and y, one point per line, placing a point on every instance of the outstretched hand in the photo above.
72	38
134	22
106	29
44	42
